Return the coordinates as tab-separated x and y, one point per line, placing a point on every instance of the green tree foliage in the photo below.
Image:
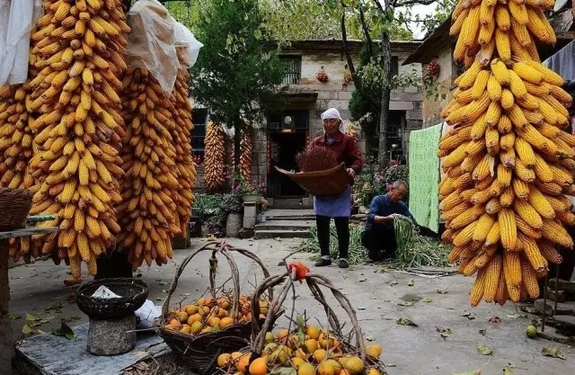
236	73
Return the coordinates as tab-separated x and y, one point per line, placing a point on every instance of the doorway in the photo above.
284	148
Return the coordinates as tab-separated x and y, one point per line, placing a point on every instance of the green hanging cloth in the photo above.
424	176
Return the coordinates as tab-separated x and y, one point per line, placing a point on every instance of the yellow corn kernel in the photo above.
508	228
529	277
465	236
541	204
554	231
484	224
548	251
507	141
504	175
500	72
492	278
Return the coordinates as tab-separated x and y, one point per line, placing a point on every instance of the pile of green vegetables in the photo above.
413	249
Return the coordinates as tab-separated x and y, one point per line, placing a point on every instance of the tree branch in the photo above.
365	30
346	49
398	4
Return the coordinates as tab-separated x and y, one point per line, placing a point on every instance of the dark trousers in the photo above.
323	234
380	241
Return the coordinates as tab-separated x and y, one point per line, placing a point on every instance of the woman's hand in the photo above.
351	172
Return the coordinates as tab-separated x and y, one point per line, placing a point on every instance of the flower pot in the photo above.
251	198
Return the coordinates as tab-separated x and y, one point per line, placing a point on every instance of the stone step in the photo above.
289	214
286	224
280	233
563	308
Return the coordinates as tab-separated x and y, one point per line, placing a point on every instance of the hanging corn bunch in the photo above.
215	154
80	48
507	158
16	150
150	188
246	150
186	173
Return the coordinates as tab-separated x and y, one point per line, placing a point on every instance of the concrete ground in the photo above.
380	298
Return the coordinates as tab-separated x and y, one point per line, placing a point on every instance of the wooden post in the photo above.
6	335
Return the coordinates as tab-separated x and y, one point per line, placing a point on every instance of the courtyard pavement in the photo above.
445	340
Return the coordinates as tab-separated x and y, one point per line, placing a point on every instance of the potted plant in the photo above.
250	192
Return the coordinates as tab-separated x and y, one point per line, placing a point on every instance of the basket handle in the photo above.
222	248
313	281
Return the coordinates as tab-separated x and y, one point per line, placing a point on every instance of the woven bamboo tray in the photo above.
200	351
15	205
331	182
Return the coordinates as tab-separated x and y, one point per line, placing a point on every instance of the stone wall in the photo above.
433	105
334	93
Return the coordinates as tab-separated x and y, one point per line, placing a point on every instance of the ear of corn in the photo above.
521	159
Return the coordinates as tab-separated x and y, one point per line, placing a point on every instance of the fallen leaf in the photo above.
31	318
407	304
442	291
411	282
515	316
15	317
370	338
485	350
26	329
552	352
64	331
495	319
507	370
406	322
468	316
476	372
426	300
391	364
444	332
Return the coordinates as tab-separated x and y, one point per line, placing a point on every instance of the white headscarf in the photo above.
333	113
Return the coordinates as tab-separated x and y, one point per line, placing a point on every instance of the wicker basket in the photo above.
351	343
200	351
133	291
15	205
332	182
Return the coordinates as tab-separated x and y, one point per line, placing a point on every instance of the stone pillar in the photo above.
112	337
250	213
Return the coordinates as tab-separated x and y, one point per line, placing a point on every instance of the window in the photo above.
293	70
199	117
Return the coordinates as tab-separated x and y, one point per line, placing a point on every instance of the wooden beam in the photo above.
565	35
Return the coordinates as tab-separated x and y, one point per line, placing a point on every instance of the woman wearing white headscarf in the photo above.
338	208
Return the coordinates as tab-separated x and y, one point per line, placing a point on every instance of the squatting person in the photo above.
379	235
339	207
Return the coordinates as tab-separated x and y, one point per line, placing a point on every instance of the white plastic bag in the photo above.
22	17
4	14
151	42
104	293
146	314
185	38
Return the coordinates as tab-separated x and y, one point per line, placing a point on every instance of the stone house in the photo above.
438	47
289	129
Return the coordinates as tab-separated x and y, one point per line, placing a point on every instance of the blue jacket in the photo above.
380	206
